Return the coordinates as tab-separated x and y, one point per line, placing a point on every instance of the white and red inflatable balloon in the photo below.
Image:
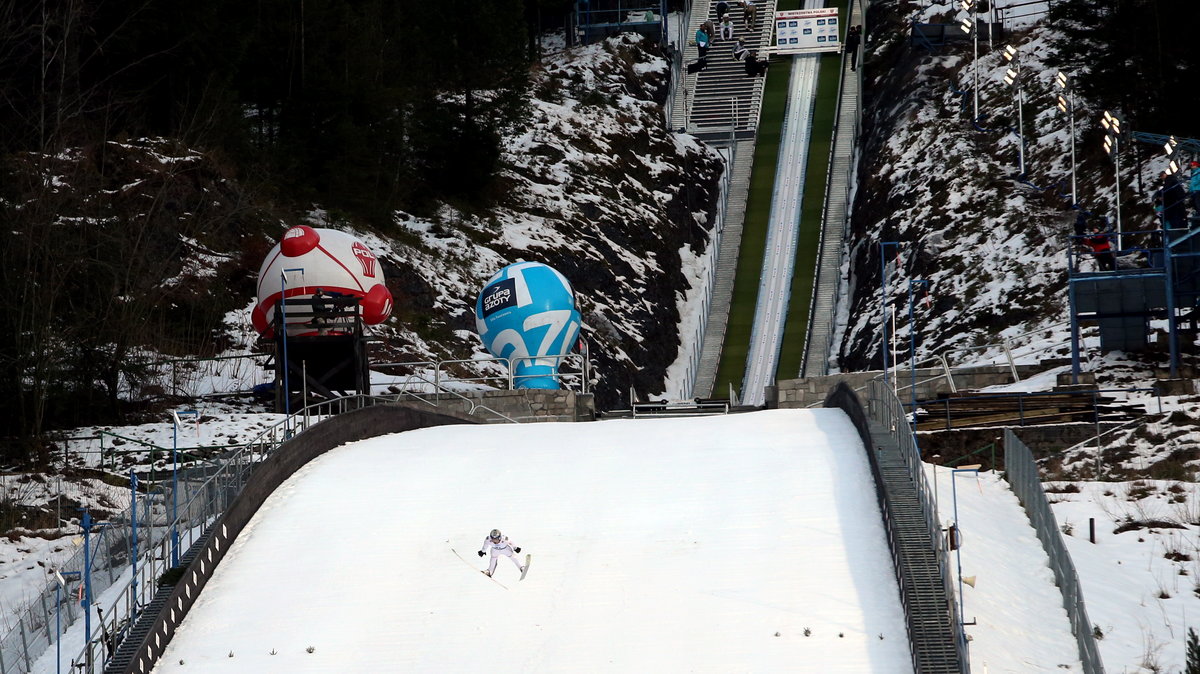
307	259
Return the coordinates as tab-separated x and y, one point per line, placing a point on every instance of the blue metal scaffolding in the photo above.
1159	278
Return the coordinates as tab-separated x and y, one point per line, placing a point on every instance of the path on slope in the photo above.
703	544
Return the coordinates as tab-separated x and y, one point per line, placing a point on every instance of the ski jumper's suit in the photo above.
500	547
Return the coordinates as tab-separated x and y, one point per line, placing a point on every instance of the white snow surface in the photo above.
628	519
704	545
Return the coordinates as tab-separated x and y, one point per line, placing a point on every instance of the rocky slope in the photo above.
593	185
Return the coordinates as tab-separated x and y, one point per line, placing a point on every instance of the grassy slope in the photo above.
754	232
795	328
762	180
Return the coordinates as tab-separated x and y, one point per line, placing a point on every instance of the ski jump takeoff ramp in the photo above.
740	543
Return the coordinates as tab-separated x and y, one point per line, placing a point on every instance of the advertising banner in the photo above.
805	31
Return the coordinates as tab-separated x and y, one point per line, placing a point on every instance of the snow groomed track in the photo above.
699	544
783	230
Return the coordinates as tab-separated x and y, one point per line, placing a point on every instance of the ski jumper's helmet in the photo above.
495	535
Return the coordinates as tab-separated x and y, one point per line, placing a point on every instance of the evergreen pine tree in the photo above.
1135	58
1193	653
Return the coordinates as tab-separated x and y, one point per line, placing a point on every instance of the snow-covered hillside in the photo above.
994	248
596	187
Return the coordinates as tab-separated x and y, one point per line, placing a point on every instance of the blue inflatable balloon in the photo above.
526	312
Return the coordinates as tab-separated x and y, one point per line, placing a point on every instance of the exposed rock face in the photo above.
942	192
598	188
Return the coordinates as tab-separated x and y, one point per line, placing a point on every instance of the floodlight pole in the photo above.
1068	106
912	345
133	530
958	531
1013	78
1071	116
1117	185
287	391
975	63
86	523
973	29
1020	118
1112	125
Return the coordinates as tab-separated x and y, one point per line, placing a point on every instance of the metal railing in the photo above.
842	195
428	376
948	372
714	247
132	547
203	492
1022	474
680	408
887	410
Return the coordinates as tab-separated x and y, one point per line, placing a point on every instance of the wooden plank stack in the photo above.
982	410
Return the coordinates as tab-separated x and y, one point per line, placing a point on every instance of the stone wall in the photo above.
523	405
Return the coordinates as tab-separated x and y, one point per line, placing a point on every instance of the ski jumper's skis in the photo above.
464	561
527	557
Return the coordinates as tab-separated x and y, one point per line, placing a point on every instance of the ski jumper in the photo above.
500	547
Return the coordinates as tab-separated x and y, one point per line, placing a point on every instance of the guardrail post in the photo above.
1011	364
46	615
24	643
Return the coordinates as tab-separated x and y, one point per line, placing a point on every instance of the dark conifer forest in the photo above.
369	102
138	134
1135	57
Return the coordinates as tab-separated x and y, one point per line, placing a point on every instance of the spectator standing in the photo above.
1102	250
853	39
704	39
749	13
321	311
1174	201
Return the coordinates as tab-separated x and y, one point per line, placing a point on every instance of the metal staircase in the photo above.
122	660
927	604
721	102
727	259
819	343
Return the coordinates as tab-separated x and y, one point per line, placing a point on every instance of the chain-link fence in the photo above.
197	494
1022	474
204	493
59	605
